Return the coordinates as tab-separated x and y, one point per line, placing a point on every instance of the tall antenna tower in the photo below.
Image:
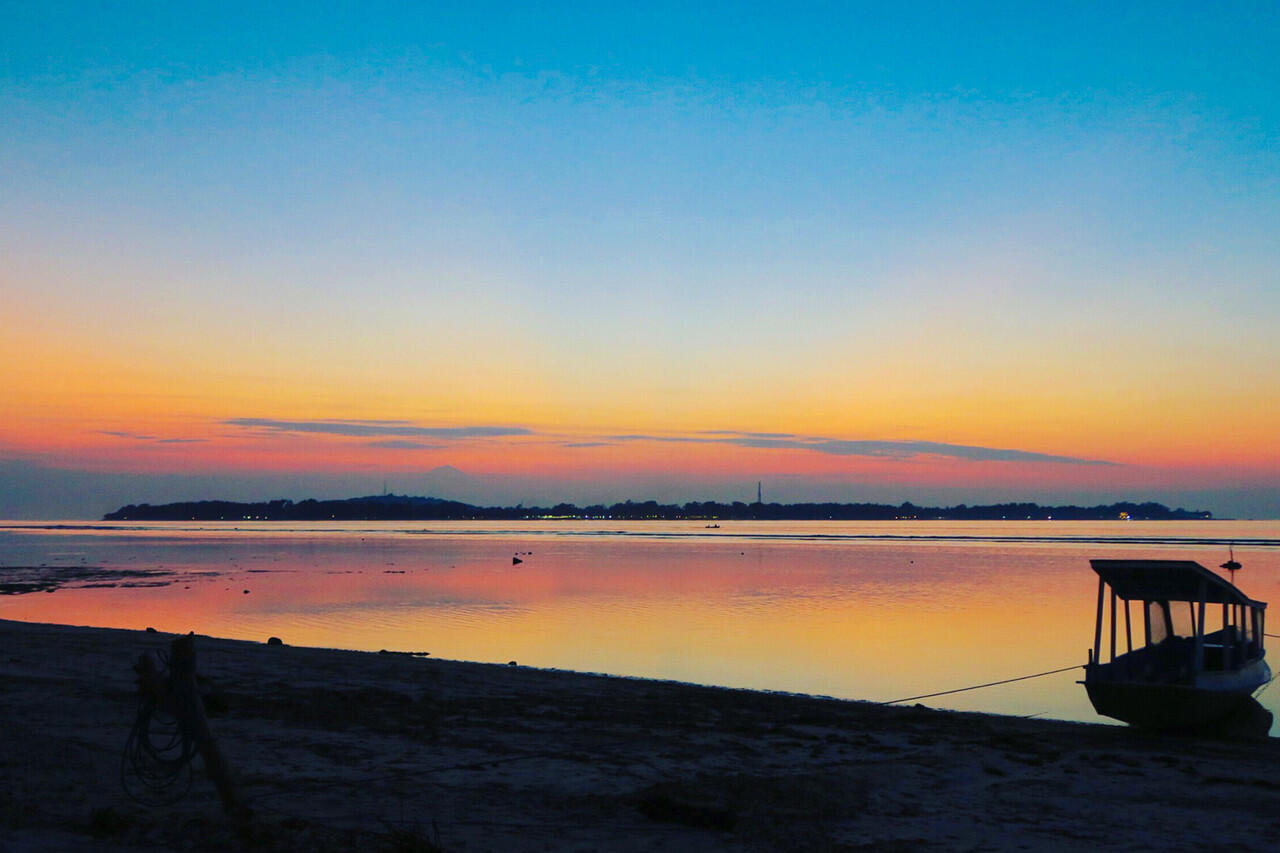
759	492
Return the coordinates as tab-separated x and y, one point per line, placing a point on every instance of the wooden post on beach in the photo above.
182	663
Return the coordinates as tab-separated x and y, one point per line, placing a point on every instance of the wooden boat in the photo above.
1200	654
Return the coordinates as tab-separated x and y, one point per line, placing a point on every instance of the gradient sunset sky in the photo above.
935	252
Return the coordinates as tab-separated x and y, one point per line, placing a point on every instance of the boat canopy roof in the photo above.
1169	580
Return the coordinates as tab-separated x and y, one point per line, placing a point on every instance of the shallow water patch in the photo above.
20	580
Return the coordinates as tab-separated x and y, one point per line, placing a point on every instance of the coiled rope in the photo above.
155	767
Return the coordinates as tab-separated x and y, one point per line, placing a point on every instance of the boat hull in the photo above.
1176	706
1162	706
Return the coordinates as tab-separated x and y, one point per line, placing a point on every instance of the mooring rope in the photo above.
980	686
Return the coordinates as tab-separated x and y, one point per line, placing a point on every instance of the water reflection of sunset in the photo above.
861	619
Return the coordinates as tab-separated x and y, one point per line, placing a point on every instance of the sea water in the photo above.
861	610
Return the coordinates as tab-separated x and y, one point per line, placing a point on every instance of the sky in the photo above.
513	252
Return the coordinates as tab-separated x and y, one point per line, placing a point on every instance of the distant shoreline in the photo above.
411	508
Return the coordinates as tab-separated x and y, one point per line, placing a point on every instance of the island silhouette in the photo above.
393	507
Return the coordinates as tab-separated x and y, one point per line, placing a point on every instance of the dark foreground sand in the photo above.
342	750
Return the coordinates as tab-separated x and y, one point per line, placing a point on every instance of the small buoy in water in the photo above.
515	561
246	592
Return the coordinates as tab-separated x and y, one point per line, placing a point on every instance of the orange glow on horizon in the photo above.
60	402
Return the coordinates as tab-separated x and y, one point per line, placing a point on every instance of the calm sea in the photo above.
864	610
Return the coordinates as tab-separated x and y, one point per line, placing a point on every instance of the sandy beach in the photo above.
336	750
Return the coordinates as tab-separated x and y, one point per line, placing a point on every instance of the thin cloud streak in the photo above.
402	444
880	449
153	439
895	450
373	428
738	434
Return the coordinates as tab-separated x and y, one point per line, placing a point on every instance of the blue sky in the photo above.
1001	226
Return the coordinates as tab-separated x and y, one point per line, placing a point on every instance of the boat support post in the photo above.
1097	629
1199	663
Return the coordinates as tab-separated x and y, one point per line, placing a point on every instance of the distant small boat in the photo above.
1181	675
713	527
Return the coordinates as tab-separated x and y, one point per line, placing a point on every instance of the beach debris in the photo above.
274	641
665	803
105	822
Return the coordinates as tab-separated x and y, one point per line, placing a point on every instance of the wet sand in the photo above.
336	750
